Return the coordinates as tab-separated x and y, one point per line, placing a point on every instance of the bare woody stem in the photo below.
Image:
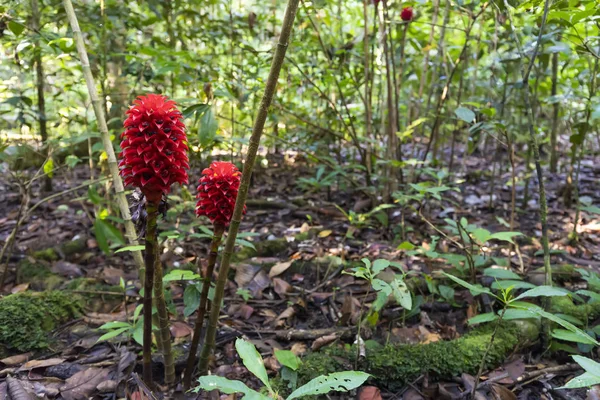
261	116
163	322
206	278
103	128
150	259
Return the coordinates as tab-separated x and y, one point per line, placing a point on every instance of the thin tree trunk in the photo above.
40	80
164	335
108	147
555	112
261	116
150	259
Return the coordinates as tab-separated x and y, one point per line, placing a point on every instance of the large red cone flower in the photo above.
154	147
407	14
217	192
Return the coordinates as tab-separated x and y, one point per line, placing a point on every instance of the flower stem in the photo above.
150	260
212	260
163	324
259	124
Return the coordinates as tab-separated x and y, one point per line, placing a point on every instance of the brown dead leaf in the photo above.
67	269
272	364
33	364
180	329
279	268
325	233
20	288
281	287
502	393
370	393
112	276
412	394
287	313
323	341
15	360
259	283
81	385
299	348
593	393
244	273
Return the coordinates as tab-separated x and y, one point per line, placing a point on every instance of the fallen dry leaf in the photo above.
323	341
325	233
281	287
370	393
299	348
33	364
279	268
180	329
15	360
20	288
81	385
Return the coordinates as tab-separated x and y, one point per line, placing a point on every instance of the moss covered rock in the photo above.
38	275
266	248
27	318
393	366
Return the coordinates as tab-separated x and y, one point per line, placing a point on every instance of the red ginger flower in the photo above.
407	14
217	192
154	146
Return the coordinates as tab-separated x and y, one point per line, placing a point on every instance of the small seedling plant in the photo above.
338	381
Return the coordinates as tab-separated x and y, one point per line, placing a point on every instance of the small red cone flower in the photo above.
154	146
217	192
407	14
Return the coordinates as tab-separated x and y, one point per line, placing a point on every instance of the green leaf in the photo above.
228	386
208	128
505	236
138	331
49	168
106	231
592	295
180	275
482	235
191	300
245	243
338	381
501	273
584	380
253	361
195	109
115	324
481	318
584	337
379	265
137	247
112	334
503	285
401	294
72	160
287	359
563	334
16	27
588	365
547	291
513	313
465	114
475	289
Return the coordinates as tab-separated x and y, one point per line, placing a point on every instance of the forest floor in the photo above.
294	282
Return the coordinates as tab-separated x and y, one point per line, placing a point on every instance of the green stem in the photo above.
212	260
150	259
164	335
259	123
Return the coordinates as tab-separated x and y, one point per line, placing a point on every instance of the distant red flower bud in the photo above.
217	192
407	14
154	146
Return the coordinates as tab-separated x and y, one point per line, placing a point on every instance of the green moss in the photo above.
266	248
38	275
26	318
393	366
46	255
583	312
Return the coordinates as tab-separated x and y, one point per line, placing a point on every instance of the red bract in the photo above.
407	14
217	192
154	146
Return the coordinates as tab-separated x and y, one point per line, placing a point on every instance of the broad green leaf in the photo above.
106	231
592	295
547	291
253	361
401	294
138	247
563	334
482	235
501	273
112	334
191	300
475	289
590	366
180	275
585	338
465	114
514	313
287	359
115	324
481	318
49	168
503	285
379	265
228	386
16	27
505	236
584	380
208	128
338	381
